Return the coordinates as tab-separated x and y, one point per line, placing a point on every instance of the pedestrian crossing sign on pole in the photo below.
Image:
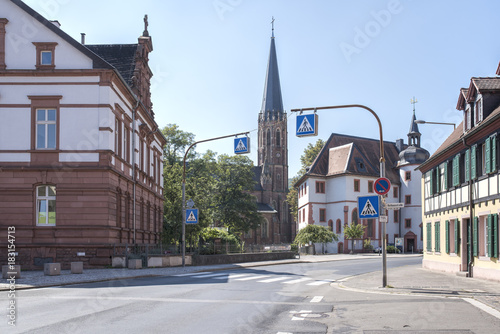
241	145
368	207
307	125
191	216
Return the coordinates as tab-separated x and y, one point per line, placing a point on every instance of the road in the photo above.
287	298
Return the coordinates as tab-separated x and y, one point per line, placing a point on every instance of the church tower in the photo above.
272	151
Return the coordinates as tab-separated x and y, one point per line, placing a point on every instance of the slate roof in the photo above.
265	208
120	56
343	154
272	102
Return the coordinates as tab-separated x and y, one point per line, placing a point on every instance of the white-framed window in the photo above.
46	205
46	121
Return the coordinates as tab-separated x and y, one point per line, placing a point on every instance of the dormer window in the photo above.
45	55
479	111
468	118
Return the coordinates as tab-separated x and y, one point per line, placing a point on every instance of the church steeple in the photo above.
414	134
272	103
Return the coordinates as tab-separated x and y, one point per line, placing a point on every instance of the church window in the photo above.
278	138
264	228
268	141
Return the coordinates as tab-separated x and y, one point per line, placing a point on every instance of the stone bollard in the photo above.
77	267
11	270
134	264
52	269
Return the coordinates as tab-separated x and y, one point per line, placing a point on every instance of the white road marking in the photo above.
209	275
483	307
298	280
192	274
269	280
231	276
316	299
320	282
251	277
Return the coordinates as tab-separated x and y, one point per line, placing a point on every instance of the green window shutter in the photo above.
494	153
437	246
487	153
475	237
457	236
438	180
431	172
454	172
489	236
429	237
445	171
473	173
455	169
495	235
447	235
467	165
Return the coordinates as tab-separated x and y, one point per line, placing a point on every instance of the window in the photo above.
456	170
490	154
46	128
395	192
46	205
268	141
479	111
408	223
396	216
263	228
492	235
320	187
408	199
451	235
443	176
278	138
126	145
356	185
354	216
339	226
118	140
322	215
407	175
467	119
370	186
428	237
45	55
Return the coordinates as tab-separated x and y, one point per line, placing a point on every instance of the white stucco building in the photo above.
347	168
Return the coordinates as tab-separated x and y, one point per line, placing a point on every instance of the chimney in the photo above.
400	144
83	38
56	23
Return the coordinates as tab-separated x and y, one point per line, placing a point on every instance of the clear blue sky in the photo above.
210	58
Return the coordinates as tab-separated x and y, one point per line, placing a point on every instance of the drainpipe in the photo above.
134	181
471	219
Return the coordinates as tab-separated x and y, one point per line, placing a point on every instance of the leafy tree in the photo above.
236	207
315	234
353	231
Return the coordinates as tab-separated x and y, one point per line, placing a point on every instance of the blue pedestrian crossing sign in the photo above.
307	125
241	145
368	207
191	216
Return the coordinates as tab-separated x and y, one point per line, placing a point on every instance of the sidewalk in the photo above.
417	281
37	279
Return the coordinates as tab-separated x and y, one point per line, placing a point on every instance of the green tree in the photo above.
315	234
353	231
236	207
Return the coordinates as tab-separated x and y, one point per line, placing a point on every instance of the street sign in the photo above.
394	206
383	219
382	185
241	145
190	203
307	125
368	207
191	216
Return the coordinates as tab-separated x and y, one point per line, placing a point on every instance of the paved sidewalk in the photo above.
37	279
417	281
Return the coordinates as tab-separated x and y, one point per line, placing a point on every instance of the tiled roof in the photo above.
364	150
462	98
487	83
120	56
265	208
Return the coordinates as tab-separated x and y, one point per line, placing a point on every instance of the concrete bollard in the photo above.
52	269
77	267
11	270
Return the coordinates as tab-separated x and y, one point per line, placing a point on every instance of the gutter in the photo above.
471	218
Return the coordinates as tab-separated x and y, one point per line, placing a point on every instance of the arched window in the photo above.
339	226
354	216
330	224
278	137
264	228
268	141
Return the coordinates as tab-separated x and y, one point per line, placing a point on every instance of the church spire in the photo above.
272	103
414	134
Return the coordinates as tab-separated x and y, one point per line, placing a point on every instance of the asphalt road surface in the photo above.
287	298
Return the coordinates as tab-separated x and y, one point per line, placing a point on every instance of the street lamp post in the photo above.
184	189
382	172
419	121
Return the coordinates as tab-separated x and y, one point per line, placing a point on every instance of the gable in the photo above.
25	27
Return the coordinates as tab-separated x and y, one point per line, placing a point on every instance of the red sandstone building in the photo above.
80	151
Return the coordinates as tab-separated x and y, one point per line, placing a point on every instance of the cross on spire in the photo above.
413	101
146	23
